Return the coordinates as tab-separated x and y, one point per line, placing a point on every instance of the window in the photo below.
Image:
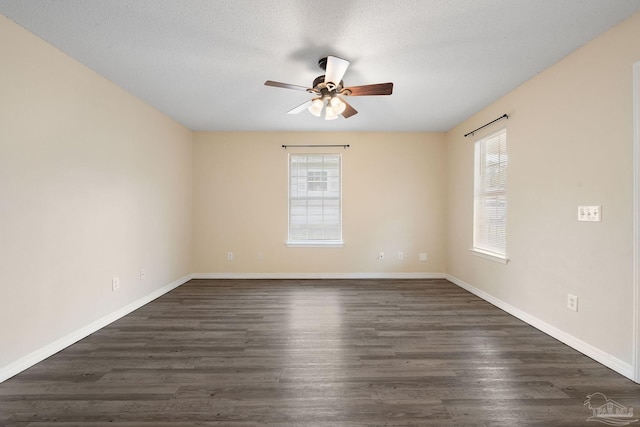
490	205
315	204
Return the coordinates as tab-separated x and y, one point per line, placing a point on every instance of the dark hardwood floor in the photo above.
314	353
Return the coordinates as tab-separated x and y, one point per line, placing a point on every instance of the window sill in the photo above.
489	255
316	244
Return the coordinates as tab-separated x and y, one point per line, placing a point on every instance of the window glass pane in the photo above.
490	208
314	198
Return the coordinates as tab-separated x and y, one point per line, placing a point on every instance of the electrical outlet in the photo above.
422	256
260	256
142	274
229	256
381	255
115	284
572	302
400	256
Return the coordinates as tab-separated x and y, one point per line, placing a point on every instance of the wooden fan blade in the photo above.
336	67
285	85
367	90
349	111
300	108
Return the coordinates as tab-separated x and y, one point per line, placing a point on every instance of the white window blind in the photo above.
315	204
490	207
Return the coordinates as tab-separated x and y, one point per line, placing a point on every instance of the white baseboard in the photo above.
39	355
587	349
284	276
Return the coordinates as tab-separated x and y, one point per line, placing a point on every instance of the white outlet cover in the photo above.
572	302
422	256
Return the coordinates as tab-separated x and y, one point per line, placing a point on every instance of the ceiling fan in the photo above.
329	90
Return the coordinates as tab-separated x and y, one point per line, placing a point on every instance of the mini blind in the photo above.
315	205
490	207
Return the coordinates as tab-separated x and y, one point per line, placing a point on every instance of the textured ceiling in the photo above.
204	62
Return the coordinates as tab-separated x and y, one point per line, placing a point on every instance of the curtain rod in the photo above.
504	116
313	145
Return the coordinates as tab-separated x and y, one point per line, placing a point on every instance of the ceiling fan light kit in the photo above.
329	90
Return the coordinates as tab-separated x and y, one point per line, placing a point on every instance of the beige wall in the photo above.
93	184
569	143
393	201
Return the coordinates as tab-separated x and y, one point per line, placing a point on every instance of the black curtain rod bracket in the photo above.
504	116
314	145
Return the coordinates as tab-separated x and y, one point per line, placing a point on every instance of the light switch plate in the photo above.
589	213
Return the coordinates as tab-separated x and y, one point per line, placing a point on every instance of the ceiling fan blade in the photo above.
336	67
300	108
285	85
366	90
349	111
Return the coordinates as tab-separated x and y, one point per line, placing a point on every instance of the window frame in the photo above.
331	242
481	193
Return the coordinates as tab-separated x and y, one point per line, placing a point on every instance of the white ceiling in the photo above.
204	62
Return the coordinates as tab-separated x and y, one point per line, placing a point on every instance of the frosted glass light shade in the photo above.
316	107
330	114
338	105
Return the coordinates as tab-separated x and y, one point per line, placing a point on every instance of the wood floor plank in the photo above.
310	353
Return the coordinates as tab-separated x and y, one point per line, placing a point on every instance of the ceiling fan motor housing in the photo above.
318	81
319	84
